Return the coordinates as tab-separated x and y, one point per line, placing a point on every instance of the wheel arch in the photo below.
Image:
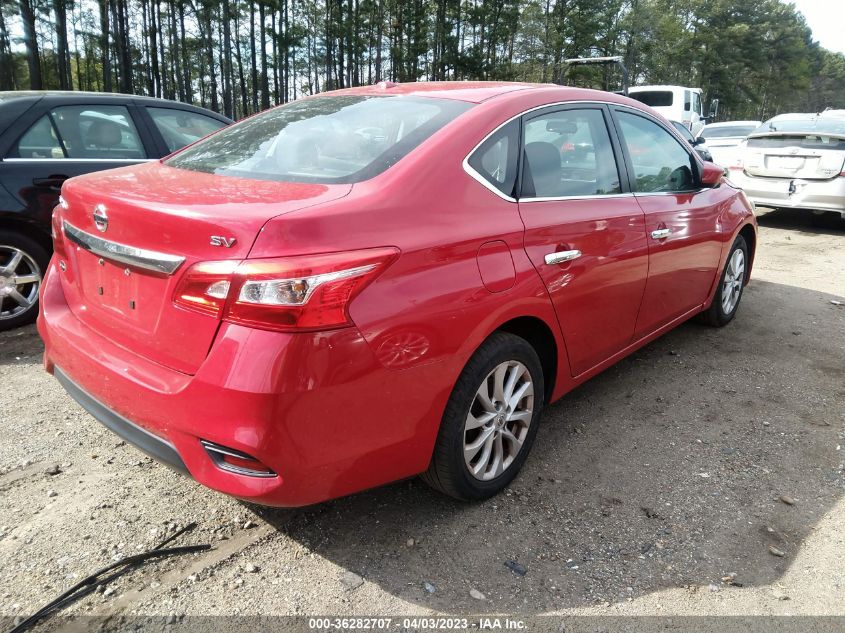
750	236
29	230
540	336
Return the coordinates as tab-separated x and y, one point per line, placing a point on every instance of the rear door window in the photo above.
182	127
101	132
568	153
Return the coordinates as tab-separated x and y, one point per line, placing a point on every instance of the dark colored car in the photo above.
696	143
48	137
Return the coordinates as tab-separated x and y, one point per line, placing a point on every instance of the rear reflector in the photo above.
235	461
306	292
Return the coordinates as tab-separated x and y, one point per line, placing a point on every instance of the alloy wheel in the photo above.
734	278
20	278
497	423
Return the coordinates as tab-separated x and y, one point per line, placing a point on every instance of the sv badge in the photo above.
219	240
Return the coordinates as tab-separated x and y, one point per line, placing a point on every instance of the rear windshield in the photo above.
653	98
332	139
727	131
811	124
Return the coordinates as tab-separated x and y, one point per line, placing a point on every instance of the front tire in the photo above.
490	421
23	262
731	284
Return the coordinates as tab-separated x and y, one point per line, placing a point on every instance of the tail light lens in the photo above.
205	287
308	292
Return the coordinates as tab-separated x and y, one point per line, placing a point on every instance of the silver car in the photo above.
795	161
726	139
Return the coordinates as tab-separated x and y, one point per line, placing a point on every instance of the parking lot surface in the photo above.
702	475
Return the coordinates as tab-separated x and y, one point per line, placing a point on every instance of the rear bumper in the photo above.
821	195
154	446
316	408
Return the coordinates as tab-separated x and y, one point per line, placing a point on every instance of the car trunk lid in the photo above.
129	235
804	156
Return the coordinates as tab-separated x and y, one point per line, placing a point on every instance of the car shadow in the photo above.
667	470
803	221
20	345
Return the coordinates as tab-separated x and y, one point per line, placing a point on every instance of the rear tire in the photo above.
490	421
731	285
23	262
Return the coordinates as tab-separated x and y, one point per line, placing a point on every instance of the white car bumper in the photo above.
793	193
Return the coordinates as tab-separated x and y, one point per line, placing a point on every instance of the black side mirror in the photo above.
714	109
699	141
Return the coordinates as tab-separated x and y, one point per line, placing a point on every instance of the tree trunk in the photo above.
121	38
274	44
166	89
33	59
175	54
209	51
6	76
288	43
265	85
226	62
153	32
186	60
239	59
63	52
252	56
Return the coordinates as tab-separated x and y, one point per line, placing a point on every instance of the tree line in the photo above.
241	56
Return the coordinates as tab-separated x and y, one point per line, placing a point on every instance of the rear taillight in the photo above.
205	287
307	292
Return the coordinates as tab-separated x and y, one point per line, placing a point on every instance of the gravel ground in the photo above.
702	475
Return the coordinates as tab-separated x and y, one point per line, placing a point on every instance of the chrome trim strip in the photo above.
79	160
129	255
215	450
602	196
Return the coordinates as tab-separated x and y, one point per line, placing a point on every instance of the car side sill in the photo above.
154	446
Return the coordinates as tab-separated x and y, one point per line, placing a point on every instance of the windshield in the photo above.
817	124
332	139
682	129
727	131
653	98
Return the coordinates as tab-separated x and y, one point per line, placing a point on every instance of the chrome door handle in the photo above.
562	256
659	234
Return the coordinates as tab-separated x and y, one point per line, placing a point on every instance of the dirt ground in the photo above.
646	488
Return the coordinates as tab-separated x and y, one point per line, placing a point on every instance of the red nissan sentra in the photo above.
383	282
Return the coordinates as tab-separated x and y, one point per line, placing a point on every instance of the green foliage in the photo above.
757	56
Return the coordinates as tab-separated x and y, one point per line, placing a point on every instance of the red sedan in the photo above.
383	282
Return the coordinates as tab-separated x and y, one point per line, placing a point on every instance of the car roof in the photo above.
471	91
732	123
76	94
833	114
80	97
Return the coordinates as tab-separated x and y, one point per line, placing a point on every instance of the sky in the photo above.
826	19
